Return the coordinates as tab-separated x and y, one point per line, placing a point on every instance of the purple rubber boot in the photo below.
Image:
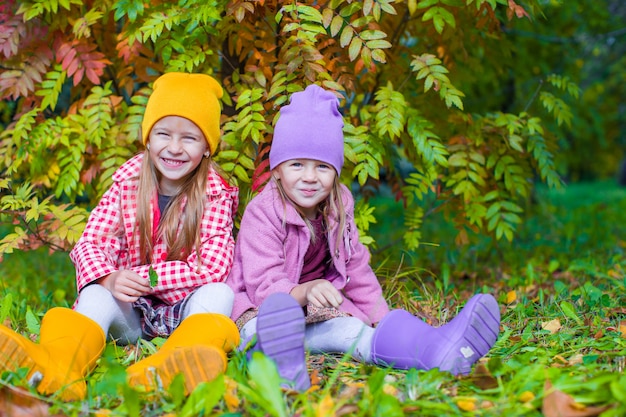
404	341
280	336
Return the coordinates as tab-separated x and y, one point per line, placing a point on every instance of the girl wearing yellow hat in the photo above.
152	259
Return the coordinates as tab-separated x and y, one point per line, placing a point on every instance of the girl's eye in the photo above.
296	164
323	166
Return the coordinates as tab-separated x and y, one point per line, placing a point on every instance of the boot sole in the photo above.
280	335
14	357
477	337
197	364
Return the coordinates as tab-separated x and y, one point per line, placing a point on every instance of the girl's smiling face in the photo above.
307	182
176	147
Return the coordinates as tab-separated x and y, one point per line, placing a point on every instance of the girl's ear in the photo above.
148	146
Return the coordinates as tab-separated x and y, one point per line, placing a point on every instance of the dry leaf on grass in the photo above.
552	326
559	404
17	402
482	378
511	296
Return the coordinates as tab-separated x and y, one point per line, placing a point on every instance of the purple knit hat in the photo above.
309	127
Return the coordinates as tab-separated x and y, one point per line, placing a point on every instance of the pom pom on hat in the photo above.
192	96
309	127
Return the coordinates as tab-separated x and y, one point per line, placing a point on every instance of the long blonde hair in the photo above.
179	246
333	205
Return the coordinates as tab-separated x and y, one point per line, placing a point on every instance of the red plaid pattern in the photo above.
108	243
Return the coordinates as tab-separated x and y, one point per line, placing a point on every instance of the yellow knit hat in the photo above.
192	96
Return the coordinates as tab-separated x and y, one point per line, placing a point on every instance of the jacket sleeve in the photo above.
100	247
261	253
363	287
216	253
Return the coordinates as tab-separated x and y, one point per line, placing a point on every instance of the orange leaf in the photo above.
467	404
511	296
18	402
325	407
558	404
315	377
230	396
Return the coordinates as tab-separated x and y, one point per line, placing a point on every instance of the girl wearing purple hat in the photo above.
302	278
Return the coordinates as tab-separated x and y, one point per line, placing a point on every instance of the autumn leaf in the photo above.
552	326
482	378
559	404
17	402
231	398
526	396
511	296
467	404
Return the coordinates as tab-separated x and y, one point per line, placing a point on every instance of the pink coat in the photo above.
109	243
269	256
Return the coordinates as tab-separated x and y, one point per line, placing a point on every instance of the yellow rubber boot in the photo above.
69	346
197	349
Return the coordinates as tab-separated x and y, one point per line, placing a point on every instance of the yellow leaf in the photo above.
230	396
622	329
526	396
511	296
390	390
552	326
325	407
467	404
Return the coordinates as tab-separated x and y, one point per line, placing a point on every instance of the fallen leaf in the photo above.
482	378
526	396
390	390
467	404
17	402
511	296
315	377
552	326
559	404
486	404
325	407
561	358
347	410
231	398
622	329
577	359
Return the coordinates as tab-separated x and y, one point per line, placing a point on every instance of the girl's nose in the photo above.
174	146
309	174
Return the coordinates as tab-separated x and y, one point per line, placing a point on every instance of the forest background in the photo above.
483	142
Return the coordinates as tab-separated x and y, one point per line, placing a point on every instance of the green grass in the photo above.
565	268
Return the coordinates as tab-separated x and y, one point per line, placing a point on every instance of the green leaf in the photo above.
569	311
154	277
5	306
205	397
32	322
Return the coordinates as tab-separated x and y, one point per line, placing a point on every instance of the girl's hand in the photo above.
126	286
319	292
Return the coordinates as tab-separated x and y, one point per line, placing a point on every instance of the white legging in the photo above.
338	335
121	322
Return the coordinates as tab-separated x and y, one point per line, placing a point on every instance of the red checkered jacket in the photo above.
103	249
